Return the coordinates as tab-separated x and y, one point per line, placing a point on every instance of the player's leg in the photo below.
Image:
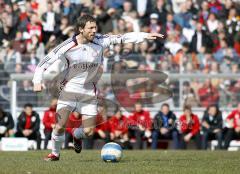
83	132
89	112
58	136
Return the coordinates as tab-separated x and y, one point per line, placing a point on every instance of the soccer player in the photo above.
83	54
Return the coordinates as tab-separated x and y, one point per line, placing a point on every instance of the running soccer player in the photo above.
84	56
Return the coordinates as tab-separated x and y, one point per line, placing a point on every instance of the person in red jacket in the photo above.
208	94
142	123
49	121
233	120
119	128
74	121
189	128
34	27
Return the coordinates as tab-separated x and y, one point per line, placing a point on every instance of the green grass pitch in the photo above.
139	162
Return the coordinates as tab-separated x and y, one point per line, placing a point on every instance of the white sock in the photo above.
57	141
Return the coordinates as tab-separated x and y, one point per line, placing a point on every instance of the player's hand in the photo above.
153	36
38	87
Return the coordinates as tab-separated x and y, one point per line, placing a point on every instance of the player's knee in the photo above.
88	131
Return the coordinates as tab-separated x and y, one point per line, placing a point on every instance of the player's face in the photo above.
89	31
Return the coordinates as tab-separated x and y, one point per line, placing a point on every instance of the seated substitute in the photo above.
189	128
28	125
119	128
164	127
233	132
142	123
6	124
212	126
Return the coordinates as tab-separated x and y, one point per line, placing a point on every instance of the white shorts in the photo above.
80	98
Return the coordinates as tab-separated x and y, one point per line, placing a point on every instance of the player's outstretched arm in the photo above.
153	36
132	37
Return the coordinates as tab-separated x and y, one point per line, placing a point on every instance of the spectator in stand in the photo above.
28	125
34	27
7	30
67	9
63	29
200	39
11	58
160	10
189	128
119	128
189	96
104	19
208	94
164	125
50	21
33	44
19	44
6	124
233	121
212	123
212	22
141	119
74	121
49	119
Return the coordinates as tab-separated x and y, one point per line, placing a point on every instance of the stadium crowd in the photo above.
201	37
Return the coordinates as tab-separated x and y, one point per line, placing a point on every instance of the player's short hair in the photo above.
81	21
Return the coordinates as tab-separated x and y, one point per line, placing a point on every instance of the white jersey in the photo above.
83	60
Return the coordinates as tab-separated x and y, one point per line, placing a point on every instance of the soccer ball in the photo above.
111	152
